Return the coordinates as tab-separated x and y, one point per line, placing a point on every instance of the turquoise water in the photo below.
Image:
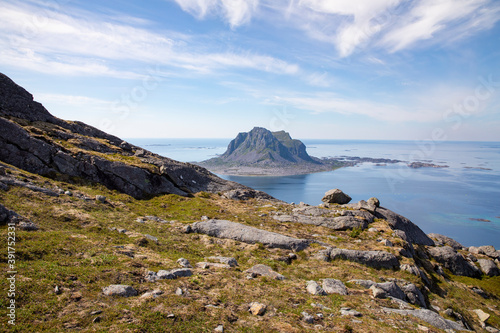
441	200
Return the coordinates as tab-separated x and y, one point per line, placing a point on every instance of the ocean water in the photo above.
461	201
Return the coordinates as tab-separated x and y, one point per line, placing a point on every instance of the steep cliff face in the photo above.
260	146
34	140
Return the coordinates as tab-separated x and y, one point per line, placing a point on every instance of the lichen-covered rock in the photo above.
333	286
257	309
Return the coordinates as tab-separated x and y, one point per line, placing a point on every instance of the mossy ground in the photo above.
76	251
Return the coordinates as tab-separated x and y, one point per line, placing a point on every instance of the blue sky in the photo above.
326	69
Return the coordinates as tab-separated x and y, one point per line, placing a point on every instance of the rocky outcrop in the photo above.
34	140
488	267
441	240
412	232
454	261
247	234
376	259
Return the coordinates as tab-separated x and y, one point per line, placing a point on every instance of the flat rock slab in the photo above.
430	317
264	270
247	234
376	259
336	223
119	290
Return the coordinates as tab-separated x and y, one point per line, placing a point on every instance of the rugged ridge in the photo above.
34	140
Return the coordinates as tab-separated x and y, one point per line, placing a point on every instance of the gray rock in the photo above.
378	292
336	196
257	309
336	223
332	286
307	317
100	198
390	289
363	283
247	234
412	269
454	261
27	226
152	238
414	295
489	251
376	259
489	267
314	288
374	201
207	265
369	207
174	273
397	222
184	263
119	290
68	193
350	312
152	294
430	317
441	240
219	328
225	260
264	270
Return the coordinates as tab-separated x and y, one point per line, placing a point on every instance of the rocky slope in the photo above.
262	152
34	140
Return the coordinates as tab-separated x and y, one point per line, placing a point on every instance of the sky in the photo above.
318	69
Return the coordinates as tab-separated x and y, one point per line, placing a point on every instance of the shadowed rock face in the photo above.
412	232
34	140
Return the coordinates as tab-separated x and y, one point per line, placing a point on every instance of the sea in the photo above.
461	201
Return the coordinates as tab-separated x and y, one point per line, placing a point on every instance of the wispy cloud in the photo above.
47	40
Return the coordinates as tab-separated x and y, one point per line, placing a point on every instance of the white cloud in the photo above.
429	17
236	12
52	42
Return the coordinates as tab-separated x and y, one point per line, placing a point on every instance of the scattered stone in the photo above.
441	240
68	193
386	242
152	294
349	312
336	196
57	290
152	238
373	230
378	292
292	256
483	316
376	259
119	290
225	260
184	263
257	309
219	328
307	317
100	198
454	261
489	267
179	291
171	316
121	230
247	234
429	317
264	270
95	313
174	273
97	319
314	288
332	286
204	218
367	206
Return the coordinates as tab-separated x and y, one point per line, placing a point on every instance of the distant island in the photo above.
261	152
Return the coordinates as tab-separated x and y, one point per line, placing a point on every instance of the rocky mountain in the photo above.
261	151
261	146
34	140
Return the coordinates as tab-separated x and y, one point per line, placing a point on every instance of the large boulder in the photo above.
488	267
454	261
247	234
413	233
336	196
